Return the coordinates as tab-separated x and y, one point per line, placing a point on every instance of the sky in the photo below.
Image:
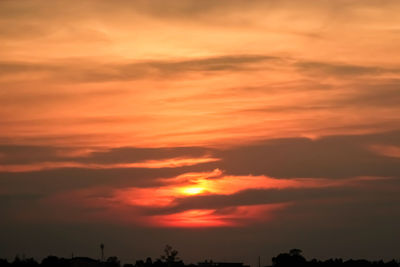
228	129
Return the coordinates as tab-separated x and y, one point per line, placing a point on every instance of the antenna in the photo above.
102	251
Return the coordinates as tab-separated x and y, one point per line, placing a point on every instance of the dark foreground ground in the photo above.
170	259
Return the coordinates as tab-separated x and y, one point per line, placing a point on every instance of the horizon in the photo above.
176	259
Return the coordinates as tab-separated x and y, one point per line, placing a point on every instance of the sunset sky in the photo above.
228	129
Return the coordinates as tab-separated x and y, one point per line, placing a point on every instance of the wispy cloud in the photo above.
152	164
343	70
83	70
385	150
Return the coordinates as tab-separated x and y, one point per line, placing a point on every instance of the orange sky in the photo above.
136	74
189	114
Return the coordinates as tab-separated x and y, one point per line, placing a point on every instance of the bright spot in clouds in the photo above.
192	190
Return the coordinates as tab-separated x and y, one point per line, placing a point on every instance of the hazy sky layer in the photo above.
228	129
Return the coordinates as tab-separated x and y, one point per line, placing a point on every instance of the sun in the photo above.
192	190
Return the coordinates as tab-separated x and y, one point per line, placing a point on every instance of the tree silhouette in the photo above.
113	262
170	257
295	252
293	258
148	262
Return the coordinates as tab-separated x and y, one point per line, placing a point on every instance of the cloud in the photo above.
370	94
80	70
168	204
151	164
247	108
86	70
333	157
324	190
25	154
237	216
330	156
342	70
67	179
388	151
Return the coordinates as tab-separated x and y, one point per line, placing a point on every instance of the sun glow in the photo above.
193	190
192	218
226	217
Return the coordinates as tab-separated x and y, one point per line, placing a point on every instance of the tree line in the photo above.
293	258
